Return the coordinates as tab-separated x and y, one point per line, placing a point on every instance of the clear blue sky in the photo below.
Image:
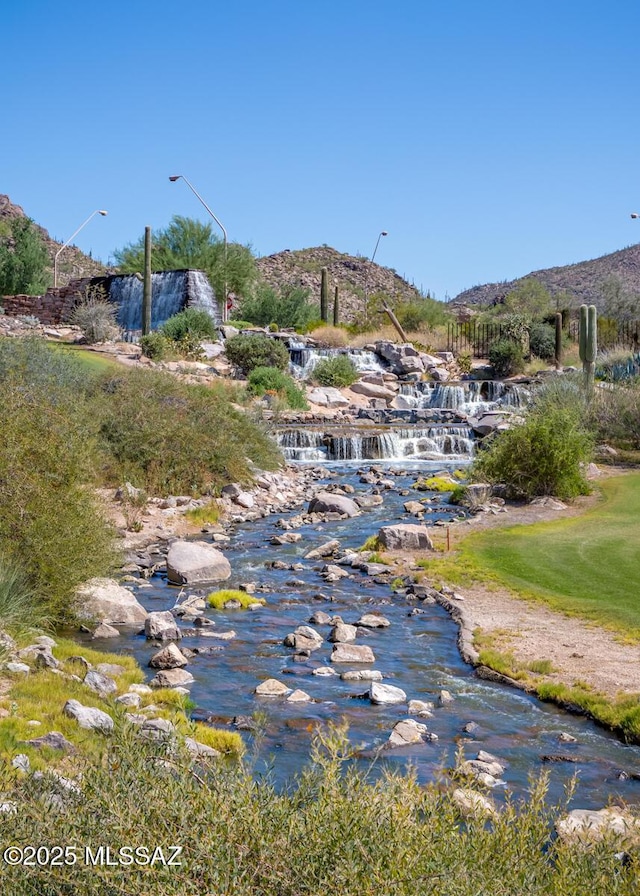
488	137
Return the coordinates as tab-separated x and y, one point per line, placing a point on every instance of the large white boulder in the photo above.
88	716
326	502
405	537
191	562
107	601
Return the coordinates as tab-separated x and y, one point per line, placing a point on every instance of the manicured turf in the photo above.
588	565
96	361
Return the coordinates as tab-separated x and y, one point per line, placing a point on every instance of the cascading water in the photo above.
438	442
171	291
304	359
473	397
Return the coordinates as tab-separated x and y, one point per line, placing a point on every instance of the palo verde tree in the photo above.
23	259
187	243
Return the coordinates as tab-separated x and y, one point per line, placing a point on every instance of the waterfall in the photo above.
473	397
171	292
303	359
438	442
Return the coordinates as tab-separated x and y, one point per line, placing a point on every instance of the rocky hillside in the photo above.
583	280
73	264
353	275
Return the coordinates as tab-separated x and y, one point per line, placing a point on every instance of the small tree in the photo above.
23	260
288	307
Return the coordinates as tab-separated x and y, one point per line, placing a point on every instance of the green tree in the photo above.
529	297
187	243
288	307
23	260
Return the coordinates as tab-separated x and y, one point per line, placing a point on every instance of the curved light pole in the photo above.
173	178
98	211
366	270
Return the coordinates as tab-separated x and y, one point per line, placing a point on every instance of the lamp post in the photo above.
366	270
173	178
98	211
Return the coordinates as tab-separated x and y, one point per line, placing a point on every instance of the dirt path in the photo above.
579	651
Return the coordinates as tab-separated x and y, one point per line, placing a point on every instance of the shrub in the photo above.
542	340
465	362
270	379
172	438
249	352
96	317
333	337
544	455
157	347
217	599
421	315
338	371
289	306
191	322
506	357
21	612
614	414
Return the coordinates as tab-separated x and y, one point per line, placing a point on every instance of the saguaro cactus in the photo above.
324	295
558	352
588	337
336	307
146	285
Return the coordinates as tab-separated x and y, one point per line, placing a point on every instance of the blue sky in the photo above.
488	138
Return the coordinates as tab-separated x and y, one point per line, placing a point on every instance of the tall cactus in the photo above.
324	295
146	284
588	337
336	307
558	352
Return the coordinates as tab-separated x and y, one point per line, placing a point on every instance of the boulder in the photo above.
326	502
171	678
591	825
53	741
407	732
372	390
366	502
272	688
104	630
361	675
100	683
421	708
109	602
405	537
162	626
472	804
88	716
327	397
192	562
385	694
352	653
323	550
342	633
373	620
170	657
298	696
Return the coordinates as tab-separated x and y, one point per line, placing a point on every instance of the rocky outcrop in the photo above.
405	537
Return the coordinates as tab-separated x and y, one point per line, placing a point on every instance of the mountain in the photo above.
353	275
584	280
72	264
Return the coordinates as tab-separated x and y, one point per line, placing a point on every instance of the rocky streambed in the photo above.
343	637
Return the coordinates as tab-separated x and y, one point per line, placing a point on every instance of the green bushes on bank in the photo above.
270	379
249	352
338	371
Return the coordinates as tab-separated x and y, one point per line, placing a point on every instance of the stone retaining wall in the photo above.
55	307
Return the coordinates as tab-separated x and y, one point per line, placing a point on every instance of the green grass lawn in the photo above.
587	566
95	361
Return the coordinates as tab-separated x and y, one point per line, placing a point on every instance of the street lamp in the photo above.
173	178
98	211
366	270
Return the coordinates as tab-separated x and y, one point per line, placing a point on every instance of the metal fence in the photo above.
476	338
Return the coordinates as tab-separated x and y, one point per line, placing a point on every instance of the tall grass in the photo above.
21	613
333	830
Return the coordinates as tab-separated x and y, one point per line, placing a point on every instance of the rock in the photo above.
21	762
53	741
352	653
104	630
18	668
170	657
139	689
362	675
298	696
372	390
407	732
473	495
134	700
415	507
45	641
326	502
405	537
100	683
110	669
565	738
46	660
589	825
161	626
200	751
333	573
366	502
171	678
421	708
323	550
325	672
157	729
299	642
373	620
444	697
342	633
272	688
287	538
327	397
474	767
320	618
383	694
88	716
192	562
109	602
472	804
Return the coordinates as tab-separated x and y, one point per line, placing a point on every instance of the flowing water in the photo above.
440	442
417	653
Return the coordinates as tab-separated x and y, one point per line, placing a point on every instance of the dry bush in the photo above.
332	337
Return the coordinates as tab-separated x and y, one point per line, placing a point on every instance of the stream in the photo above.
417	653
